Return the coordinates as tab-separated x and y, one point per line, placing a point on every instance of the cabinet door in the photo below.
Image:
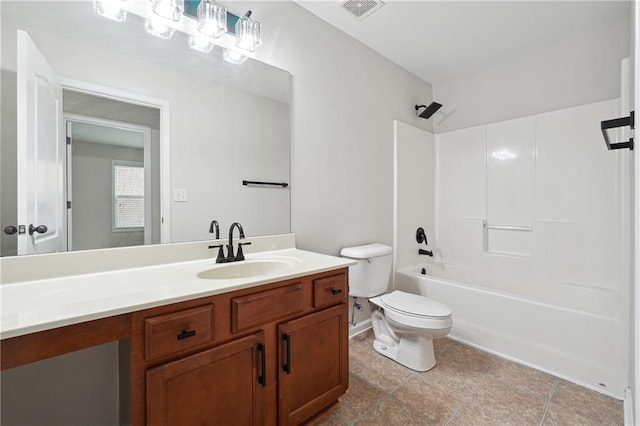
314	363
219	386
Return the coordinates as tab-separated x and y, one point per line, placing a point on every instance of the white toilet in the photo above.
404	324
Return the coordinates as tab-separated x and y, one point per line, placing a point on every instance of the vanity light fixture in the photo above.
248	35
168	9
213	21
201	43
212	18
111	9
233	56
157	28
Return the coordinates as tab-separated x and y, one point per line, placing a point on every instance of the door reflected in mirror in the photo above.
209	125
110	169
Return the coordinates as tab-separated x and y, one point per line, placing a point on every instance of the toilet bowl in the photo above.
404	324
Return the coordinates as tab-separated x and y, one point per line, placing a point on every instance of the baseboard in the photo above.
360	327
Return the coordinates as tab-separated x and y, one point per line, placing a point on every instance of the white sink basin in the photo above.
248	268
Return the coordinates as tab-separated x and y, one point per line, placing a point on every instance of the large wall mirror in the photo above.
154	140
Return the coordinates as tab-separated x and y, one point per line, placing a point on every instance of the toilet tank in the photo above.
371	276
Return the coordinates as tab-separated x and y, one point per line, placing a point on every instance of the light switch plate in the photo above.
180	196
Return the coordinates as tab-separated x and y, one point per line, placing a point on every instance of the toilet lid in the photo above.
415	304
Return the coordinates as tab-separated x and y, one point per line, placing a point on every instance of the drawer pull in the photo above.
286	337
186	334
335	291
262	379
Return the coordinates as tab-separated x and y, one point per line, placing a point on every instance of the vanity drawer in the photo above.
175	332
263	307
329	291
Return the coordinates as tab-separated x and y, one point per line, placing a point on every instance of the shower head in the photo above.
428	110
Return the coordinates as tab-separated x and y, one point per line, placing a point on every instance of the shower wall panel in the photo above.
562	183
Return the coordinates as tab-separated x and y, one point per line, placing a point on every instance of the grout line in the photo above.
361	416
387	396
546	406
468	397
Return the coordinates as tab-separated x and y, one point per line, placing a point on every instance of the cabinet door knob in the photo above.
186	334
335	291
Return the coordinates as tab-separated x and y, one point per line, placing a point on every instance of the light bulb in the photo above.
233	57
158	29
168	9
111	9
201	43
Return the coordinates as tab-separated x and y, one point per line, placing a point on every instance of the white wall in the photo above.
415	190
577	71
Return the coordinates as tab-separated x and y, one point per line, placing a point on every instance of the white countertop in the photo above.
32	306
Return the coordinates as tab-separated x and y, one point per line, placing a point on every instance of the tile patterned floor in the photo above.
467	387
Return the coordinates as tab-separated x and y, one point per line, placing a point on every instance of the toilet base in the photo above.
412	351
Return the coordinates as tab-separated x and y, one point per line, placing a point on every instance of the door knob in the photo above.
40	229
10	230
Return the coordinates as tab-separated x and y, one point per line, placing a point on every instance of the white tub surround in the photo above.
31	306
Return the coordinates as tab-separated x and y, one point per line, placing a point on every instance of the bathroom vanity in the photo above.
268	348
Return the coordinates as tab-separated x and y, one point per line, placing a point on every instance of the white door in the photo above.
41	153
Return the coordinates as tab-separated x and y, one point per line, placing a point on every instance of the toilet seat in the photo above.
415	305
400	310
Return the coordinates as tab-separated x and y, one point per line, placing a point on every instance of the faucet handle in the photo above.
425	252
220	257
240	254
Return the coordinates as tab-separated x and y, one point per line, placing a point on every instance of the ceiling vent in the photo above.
360	9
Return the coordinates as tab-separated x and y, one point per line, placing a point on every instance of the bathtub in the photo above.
586	349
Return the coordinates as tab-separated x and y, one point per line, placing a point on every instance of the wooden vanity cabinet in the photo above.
268	355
